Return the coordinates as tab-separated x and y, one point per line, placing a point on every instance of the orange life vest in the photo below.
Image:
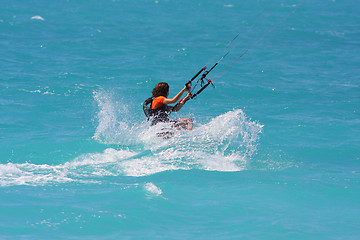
157	102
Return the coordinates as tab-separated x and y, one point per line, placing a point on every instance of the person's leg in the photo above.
185	123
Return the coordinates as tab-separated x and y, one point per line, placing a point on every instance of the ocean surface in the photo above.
275	149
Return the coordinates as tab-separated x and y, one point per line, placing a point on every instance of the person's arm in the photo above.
177	97
178	106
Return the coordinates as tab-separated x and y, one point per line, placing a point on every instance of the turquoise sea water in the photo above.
275	149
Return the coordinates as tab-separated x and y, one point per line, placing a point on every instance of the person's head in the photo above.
161	89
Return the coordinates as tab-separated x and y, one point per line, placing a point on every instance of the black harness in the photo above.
160	114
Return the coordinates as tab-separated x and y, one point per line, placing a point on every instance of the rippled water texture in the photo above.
274	153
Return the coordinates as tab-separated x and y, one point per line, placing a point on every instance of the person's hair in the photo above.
161	89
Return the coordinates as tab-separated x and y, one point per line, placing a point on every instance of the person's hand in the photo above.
188	87
189	95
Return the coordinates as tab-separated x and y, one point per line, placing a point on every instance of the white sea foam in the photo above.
38	18
152	189
223	144
31	174
115	124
